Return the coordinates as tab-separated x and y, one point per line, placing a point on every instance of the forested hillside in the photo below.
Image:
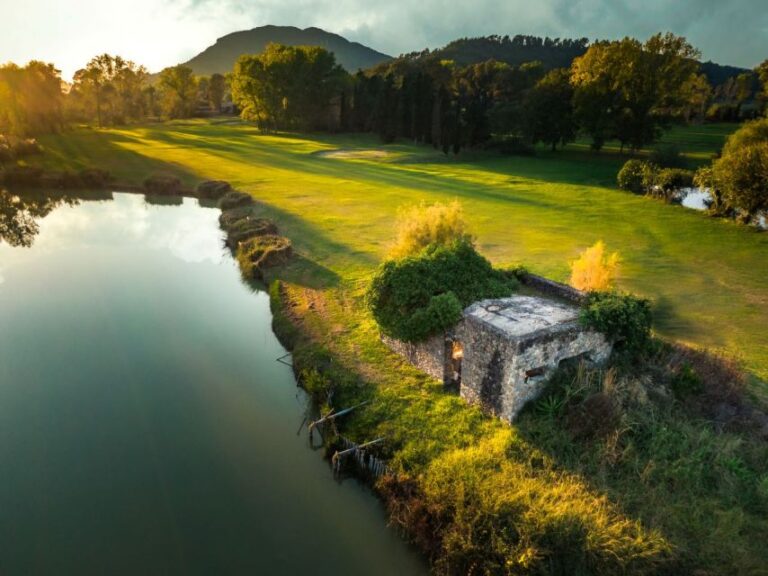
220	58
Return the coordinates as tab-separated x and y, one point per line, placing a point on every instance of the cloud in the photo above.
159	33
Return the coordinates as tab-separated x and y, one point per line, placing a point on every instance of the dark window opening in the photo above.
535	372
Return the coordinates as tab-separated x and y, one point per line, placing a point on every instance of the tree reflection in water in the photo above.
19	215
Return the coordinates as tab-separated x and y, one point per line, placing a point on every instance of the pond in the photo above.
700	199
145	426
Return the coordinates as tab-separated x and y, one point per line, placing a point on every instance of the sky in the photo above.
159	33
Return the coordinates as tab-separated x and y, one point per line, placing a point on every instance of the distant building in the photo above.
502	351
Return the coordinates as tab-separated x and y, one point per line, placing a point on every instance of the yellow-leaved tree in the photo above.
424	224
595	269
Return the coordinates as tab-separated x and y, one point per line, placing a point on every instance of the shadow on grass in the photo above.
667	319
107	150
238	149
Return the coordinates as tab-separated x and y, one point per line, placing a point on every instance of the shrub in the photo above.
318	385
742	177
234	200
594	269
259	252
422	295
667	156
637	176
419	226
247	228
94	178
624	318
668	182
754	132
162	184
213	189
630	177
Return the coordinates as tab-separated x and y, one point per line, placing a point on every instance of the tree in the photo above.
287	87
697	99
549	110
740	175
179	87
632	90
762	74
30	99
110	90
217	87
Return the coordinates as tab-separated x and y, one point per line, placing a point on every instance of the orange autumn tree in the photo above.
595	269
424	224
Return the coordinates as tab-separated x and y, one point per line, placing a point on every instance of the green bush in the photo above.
668	182
162	184
636	176
260	252
234	200
422	295
624	318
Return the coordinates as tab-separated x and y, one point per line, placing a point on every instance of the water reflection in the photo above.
145	426
19	215
192	237
701	199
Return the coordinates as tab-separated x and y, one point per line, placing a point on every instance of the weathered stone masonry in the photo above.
503	350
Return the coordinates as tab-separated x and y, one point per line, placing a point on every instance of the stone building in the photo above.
502	351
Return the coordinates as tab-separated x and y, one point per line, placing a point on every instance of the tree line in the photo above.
107	91
624	90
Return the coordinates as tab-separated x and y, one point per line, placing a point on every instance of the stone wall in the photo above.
552	288
502	375
429	356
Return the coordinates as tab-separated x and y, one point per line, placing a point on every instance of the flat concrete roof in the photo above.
519	316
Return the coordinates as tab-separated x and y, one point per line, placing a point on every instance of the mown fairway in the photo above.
706	276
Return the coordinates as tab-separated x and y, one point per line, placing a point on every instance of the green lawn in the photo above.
706	276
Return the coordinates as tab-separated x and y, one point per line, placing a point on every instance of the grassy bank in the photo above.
657	491
661	491
706	276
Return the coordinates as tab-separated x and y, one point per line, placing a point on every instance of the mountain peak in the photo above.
222	55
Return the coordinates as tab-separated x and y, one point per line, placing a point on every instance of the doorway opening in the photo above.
455	357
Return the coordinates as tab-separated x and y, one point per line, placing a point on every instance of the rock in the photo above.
162	184
234	200
213	189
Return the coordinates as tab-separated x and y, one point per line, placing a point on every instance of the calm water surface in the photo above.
145	427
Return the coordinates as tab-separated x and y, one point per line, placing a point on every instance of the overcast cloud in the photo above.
160	33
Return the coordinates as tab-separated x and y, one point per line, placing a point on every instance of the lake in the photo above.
145	425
